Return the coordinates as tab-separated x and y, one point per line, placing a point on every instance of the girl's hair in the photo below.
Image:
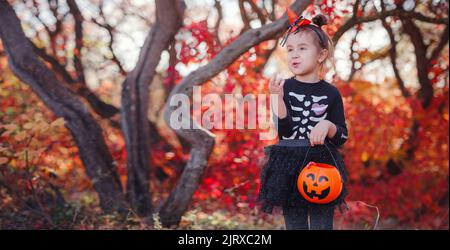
323	41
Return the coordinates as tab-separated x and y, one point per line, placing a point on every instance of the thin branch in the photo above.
262	18
393	56
110	31
443	41
219	10
244	16
75	12
382	15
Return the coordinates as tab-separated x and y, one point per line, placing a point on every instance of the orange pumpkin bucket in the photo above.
320	183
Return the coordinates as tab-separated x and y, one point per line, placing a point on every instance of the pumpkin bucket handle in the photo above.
309	147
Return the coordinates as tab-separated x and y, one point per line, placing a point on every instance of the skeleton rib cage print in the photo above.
309	103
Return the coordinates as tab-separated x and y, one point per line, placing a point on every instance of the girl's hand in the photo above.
319	132
276	84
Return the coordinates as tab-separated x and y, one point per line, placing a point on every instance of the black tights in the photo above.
320	218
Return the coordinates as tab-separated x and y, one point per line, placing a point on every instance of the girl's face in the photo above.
304	57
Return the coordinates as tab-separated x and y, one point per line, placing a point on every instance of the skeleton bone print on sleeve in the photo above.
308	105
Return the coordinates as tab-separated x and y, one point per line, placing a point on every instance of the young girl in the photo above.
311	127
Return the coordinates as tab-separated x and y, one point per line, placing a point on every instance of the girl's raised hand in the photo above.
276	83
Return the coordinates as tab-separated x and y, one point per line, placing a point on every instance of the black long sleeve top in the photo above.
306	105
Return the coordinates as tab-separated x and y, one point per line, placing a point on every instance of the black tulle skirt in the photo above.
284	161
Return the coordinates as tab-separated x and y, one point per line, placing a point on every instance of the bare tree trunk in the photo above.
422	63
87	133
134	110
202	140
426	91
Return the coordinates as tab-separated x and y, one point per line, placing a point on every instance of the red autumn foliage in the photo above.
409	192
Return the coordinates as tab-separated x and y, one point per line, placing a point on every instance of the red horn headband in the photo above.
295	22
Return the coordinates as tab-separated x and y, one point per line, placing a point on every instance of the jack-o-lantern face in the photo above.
319	183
